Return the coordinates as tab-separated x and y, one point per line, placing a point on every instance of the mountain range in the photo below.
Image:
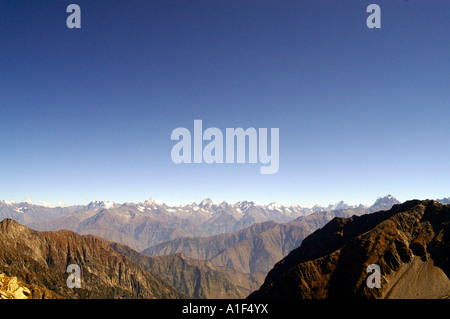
319	255
227	265
142	225
157	229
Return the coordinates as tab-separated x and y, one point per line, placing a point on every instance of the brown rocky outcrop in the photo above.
410	243
40	259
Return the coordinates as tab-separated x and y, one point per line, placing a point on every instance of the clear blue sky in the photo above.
87	114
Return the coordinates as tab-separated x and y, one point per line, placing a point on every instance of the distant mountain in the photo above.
26	213
195	278
410	243
383	203
253	249
338	206
101	204
444	201
141	225
39	260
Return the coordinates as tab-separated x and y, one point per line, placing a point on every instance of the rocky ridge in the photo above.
41	259
410	243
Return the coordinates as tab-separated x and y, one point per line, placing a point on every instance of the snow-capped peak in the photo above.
207	202
100	204
152	201
317	208
274	206
384	203
386	199
245	205
339	205
108	204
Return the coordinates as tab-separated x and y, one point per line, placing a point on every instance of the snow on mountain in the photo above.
153	202
208	215
7	202
337	206
275	206
444	201
208	208
318	208
153	221
20	210
383	203
100	205
207	203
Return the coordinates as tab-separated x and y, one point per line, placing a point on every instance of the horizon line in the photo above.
60	204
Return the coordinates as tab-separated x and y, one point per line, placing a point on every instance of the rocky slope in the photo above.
11	289
195	278
14	288
40	259
410	243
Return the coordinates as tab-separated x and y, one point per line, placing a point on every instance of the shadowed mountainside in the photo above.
410	243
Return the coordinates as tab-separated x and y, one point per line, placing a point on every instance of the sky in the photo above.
87	114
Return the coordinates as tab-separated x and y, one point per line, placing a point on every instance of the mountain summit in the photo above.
383	203
100	205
